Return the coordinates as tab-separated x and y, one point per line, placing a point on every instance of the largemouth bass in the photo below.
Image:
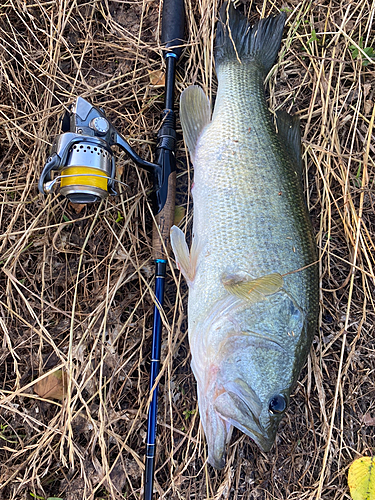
253	284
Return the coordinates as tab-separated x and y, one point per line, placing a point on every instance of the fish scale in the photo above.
253	285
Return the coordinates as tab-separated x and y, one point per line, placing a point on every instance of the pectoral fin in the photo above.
195	114
254	290
187	262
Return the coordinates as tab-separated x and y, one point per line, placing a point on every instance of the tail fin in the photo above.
236	39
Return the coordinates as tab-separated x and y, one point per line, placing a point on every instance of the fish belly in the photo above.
249	214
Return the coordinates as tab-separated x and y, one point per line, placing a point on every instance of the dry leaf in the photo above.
367	419
118	476
361	479
157	78
368	106
119	170
77	207
366	89
53	386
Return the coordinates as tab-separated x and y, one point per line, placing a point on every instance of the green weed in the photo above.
368	51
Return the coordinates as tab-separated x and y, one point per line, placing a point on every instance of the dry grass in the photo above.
76	289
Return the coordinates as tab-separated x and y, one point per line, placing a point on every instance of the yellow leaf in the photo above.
53	386
361	479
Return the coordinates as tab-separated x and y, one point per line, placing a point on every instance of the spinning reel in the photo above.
83	157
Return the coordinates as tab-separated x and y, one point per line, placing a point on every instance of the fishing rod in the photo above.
173	25
83	159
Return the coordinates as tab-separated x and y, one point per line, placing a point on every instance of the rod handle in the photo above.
164	221
173	25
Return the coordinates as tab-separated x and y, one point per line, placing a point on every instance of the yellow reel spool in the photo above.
90	179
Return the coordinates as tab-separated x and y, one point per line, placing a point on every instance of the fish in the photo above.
252	266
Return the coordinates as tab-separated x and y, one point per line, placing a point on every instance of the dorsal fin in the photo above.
195	114
289	131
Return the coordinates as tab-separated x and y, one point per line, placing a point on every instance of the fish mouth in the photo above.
263	440
243	412
256	432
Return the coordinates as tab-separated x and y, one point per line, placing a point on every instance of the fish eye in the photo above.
277	404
